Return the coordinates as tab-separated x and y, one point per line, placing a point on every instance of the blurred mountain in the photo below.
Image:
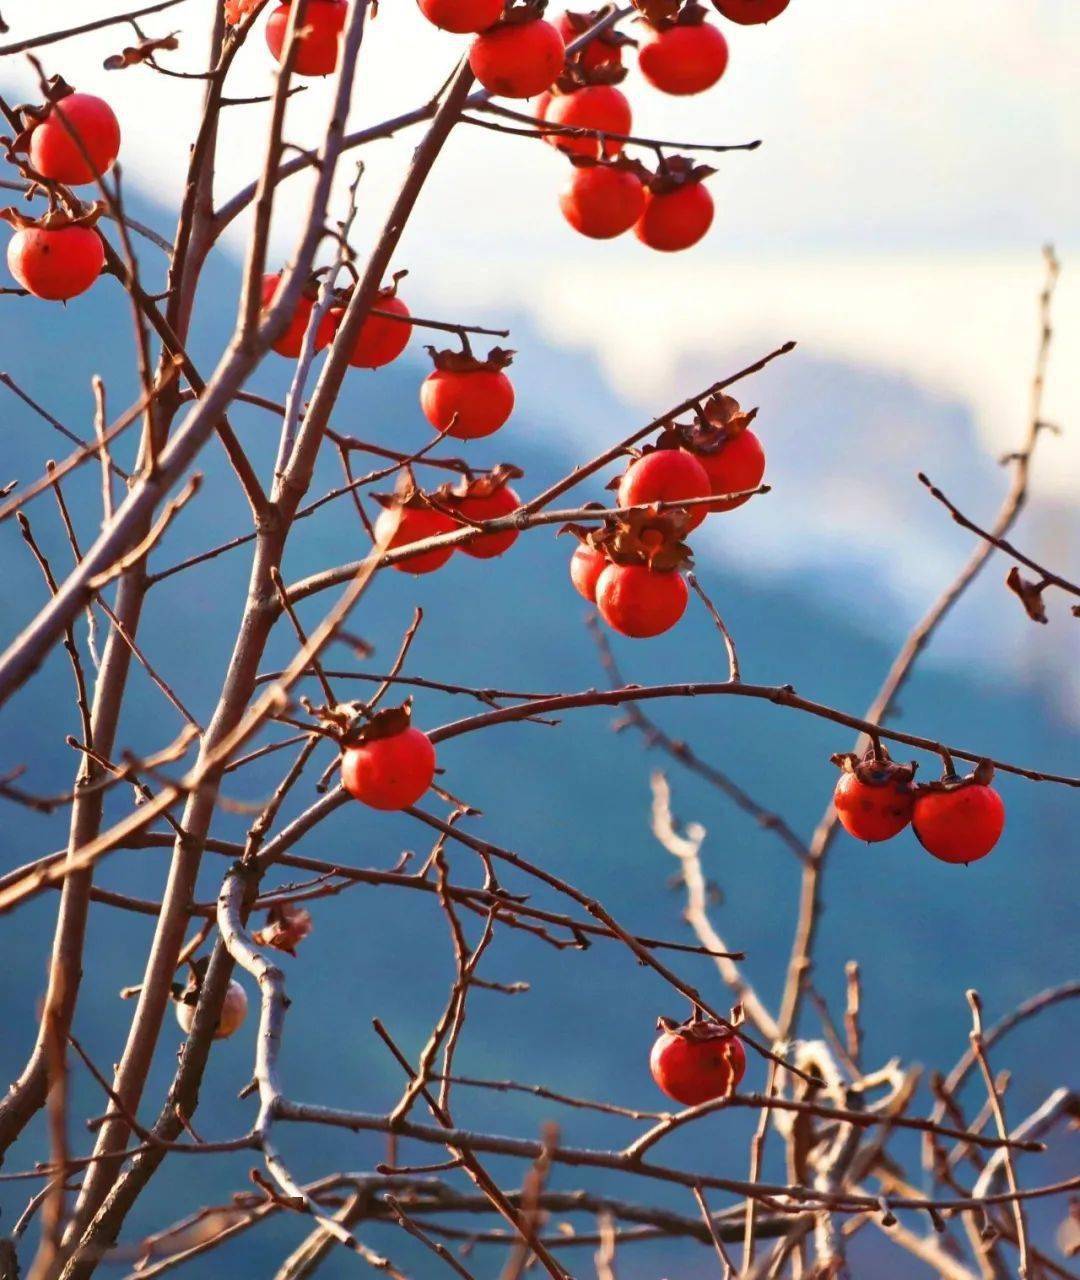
817	582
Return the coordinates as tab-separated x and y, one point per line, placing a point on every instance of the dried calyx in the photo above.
479	484
981	776
345	292
650	537
407	493
720	421
579	23
188	992
676	172
699	1029
387	723
515	15
661	14
55	219
621	161
30	115
578	75
449	361
875	768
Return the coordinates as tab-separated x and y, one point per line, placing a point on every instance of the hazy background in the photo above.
914	160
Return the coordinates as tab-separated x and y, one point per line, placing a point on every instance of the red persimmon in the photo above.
682	59
390	772
54	151
640	602
586	566
601	51
317	37
467	403
291	341
490	506
874	802
602	201
751	12
417	522
666	475
518	60
960	823
382	338
674	220
56	263
462	16
697	1062
737	465
595	106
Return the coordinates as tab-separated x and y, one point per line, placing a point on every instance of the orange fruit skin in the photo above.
961	825
870	812
389	773
738	464
637	601
467	405
518	61
696	1071
416	524
677	219
56	264
602	203
55	154
317	48
683	60
667	475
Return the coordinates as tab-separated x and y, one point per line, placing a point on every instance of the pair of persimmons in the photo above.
956	819
74	139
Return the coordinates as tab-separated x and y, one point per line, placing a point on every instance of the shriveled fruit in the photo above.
233	1012
317	37
292	340
959	820
697	1062
465	397
677	219
751	12
390	772
873	797
594	106
417	523
56	263
666	475
462	16
640	602
586	566
382	338
682	59
54	151
518	59
602	201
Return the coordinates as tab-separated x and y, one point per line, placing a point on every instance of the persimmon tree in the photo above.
328	311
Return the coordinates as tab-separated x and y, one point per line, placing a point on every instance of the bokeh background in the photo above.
915	158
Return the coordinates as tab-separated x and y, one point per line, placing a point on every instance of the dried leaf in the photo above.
144	51
286	927
1028	593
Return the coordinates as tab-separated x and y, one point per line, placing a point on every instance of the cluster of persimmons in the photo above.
629	565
